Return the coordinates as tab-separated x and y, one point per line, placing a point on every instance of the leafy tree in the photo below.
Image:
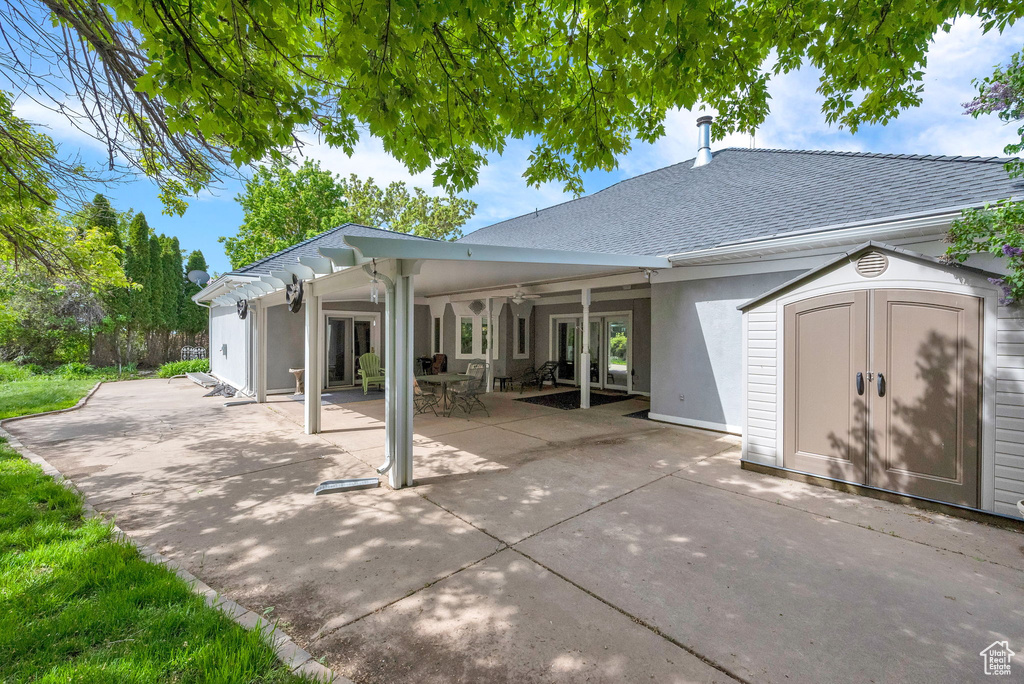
285	206
182	88
395	208
998	229
43	319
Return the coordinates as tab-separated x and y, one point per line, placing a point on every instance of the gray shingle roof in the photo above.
335	237
744	194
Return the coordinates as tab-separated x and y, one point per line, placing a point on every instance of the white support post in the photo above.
405	408
398	372
585	351
490	345
261	352
311	377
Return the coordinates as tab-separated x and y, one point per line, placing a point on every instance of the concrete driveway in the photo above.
540	545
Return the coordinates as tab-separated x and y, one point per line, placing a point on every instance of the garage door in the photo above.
881	387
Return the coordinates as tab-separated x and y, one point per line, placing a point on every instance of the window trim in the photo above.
477	351
516	354
437	334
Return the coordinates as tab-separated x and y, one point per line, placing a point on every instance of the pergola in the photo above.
438	271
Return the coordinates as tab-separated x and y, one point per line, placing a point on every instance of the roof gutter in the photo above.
829	236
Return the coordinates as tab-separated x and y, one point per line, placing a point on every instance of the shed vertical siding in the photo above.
1009	468
762	346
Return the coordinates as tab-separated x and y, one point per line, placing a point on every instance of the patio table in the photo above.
443	379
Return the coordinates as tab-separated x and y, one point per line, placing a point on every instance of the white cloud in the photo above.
369	159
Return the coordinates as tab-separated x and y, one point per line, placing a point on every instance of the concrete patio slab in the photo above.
775	595
264	540
515	504
506	619
638	548
992	544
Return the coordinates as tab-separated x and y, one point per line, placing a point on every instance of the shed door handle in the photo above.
860	383
881	385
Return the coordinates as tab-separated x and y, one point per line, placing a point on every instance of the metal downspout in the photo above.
389	293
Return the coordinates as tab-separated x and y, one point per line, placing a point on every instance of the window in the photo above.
474	338
521	344
466	334
436	339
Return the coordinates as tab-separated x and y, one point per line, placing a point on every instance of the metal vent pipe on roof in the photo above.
703	141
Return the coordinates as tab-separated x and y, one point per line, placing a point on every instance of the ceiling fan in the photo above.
519	297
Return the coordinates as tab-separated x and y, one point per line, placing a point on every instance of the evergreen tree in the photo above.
173	280
137	269
155	286
100	214
193	318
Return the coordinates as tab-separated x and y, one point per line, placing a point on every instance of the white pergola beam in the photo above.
283	276
319	265
341	257
275	283
302	272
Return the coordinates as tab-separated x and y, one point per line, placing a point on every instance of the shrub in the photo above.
173	368
9	372
74	370
34	368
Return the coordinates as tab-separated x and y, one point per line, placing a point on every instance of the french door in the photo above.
610	359
882	387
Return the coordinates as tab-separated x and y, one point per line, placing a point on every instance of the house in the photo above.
793	297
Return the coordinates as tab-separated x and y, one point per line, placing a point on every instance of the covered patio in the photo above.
432	296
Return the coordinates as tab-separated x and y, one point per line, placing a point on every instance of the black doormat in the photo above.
571	400
642	415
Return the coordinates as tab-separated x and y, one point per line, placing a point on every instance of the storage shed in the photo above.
889	370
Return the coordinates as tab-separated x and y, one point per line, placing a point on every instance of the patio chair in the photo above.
527	377
424	399
439	365
466	394
547	372
370	371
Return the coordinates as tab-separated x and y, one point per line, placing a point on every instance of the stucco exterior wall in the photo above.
697	348
286	346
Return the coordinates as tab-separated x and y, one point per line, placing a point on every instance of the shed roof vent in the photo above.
872	264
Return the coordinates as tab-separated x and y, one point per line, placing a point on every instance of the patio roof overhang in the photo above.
411	269
441	269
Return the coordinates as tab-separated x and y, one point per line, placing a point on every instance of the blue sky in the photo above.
796	122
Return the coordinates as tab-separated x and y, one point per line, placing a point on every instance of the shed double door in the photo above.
881	387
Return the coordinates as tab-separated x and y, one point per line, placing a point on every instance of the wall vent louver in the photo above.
872	264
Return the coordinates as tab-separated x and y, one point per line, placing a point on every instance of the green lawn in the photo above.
41	393
78	606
